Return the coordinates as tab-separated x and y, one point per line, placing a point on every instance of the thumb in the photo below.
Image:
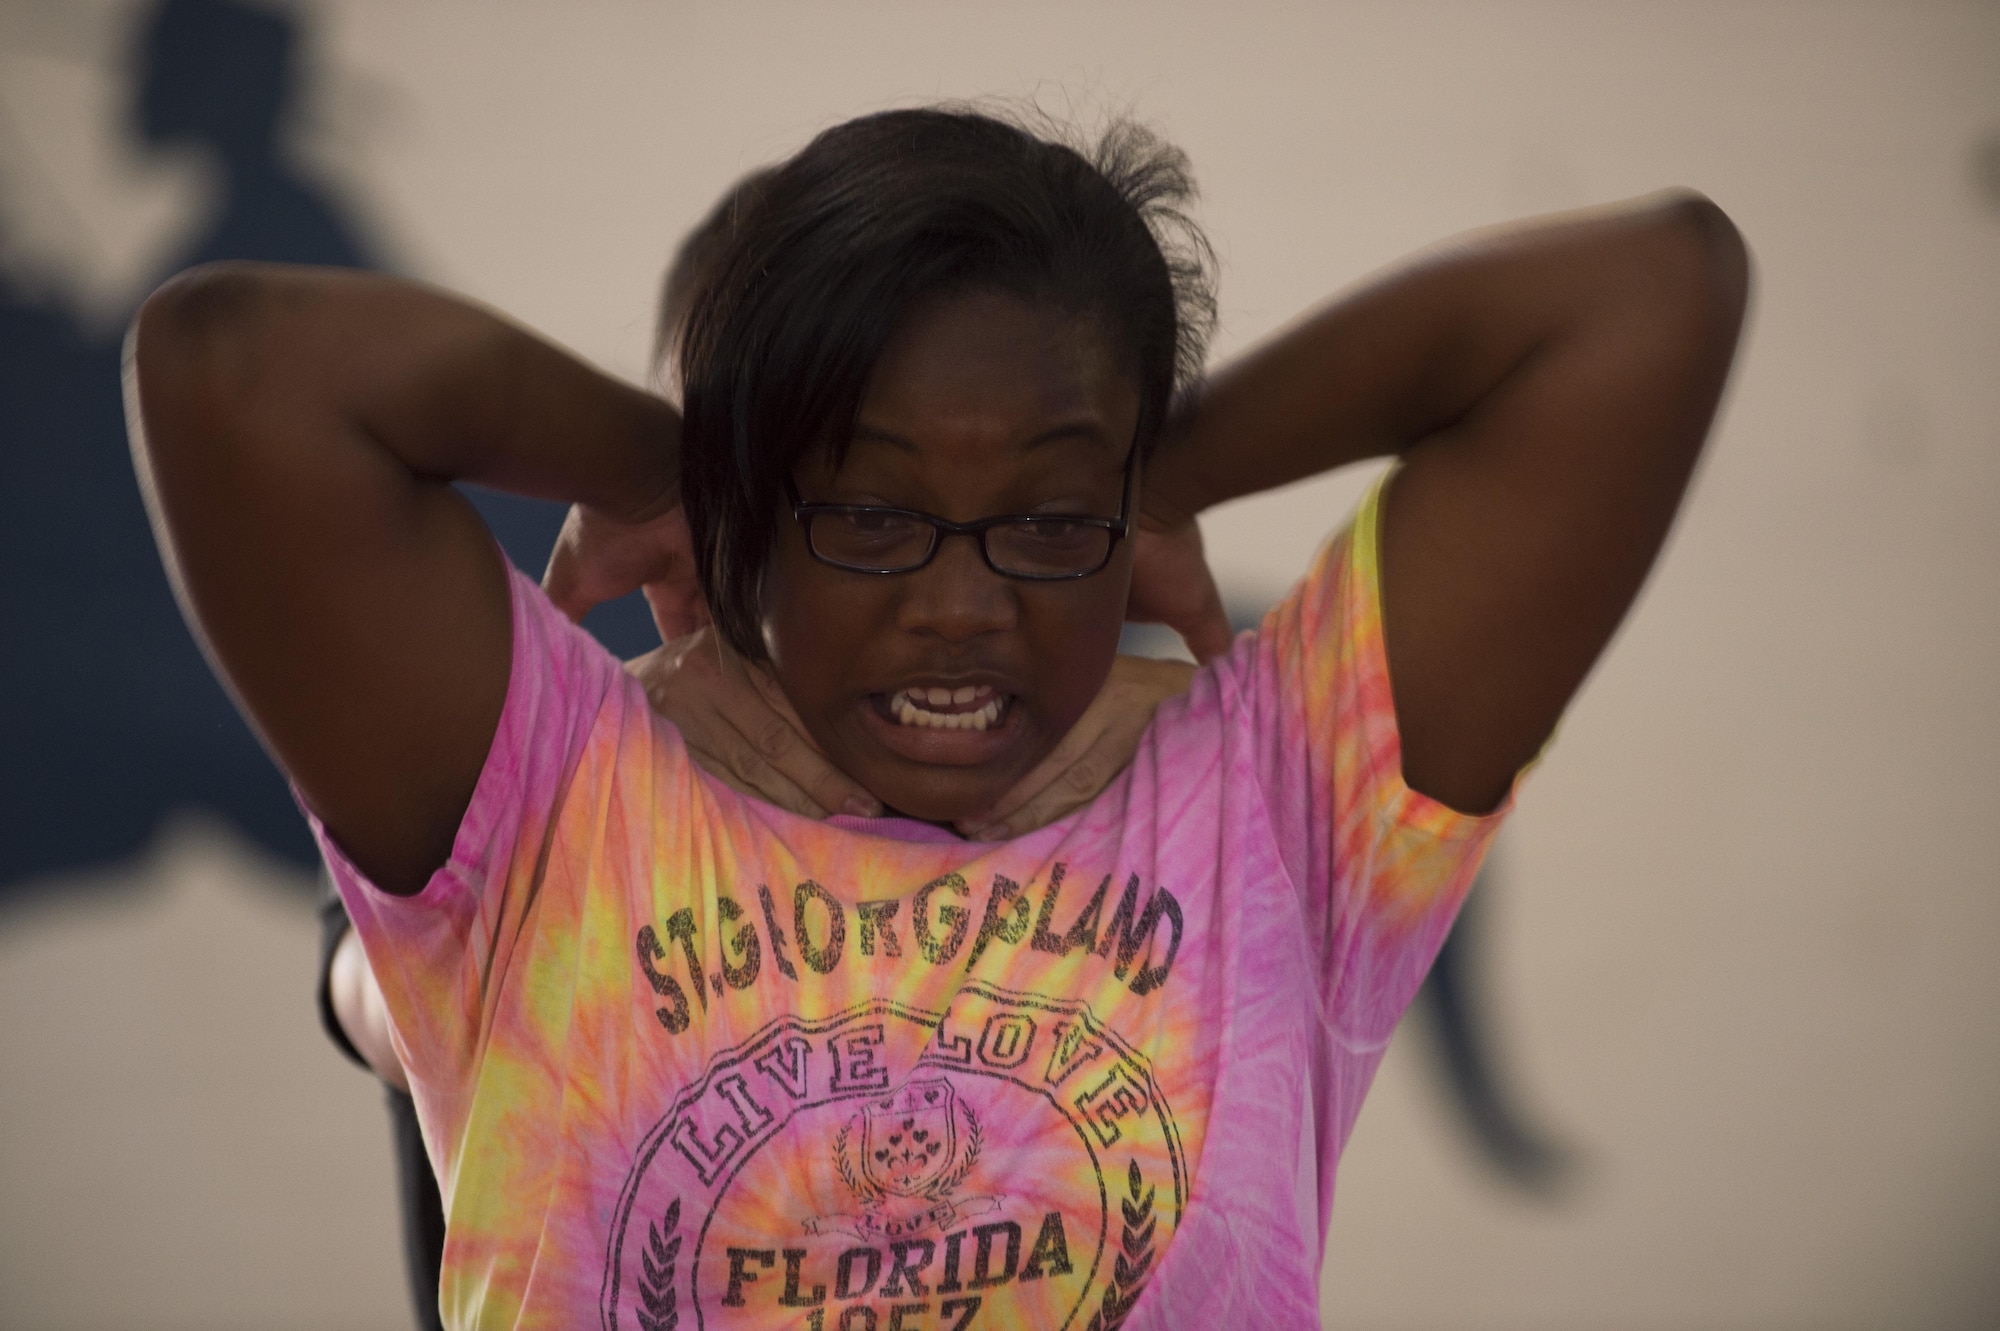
1209	634
1204	625
677	607
566	580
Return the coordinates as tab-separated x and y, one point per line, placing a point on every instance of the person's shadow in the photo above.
109	717
222	78
1466	1055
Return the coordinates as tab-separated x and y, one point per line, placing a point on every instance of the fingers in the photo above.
598	558
1031	796
1096	750
563	580
1172	585
782	741
672	590
1079	767
740	767
1205	626
1069	790
685	683
677	607
733	729
787	757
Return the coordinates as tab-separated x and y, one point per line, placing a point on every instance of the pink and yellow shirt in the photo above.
684	1060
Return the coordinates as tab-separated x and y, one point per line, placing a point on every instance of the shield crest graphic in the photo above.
910	1139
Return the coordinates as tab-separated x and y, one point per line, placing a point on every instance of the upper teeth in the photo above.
913	706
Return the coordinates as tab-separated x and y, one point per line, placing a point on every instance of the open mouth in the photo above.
933	707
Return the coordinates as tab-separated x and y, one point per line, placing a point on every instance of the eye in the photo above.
1055	534
874	526
870	538
1049	547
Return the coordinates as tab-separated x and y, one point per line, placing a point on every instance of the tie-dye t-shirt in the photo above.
684	1060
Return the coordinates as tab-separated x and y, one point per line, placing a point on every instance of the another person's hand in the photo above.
1172	585
598	558
1095	751
739	726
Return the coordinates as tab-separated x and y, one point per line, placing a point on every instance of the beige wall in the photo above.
1745	936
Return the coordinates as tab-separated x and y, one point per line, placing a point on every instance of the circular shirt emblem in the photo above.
1023	1170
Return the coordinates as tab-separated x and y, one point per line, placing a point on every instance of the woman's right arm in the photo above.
296	432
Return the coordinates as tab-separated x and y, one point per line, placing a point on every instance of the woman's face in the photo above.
981	405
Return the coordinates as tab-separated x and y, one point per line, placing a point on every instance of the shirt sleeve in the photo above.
439	955
1380	868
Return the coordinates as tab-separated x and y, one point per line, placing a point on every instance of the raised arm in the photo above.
295	432
1549	388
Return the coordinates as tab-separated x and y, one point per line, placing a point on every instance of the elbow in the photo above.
190	345
1706	258
194	317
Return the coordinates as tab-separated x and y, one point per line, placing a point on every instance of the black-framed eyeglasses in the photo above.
867	538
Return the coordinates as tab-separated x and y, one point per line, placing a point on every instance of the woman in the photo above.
678	1051
738	728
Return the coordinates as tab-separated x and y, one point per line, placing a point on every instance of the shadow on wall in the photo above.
109	716
1458	1017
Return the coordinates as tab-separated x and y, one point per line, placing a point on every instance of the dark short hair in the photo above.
827	253
697	255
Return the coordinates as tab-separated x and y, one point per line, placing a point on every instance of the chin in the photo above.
941	794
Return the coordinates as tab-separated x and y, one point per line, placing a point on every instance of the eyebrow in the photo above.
1085	428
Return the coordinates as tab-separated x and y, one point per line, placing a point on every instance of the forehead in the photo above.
988	372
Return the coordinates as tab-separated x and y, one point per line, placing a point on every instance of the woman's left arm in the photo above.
1548	388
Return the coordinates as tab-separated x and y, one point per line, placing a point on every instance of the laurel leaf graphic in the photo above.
1130	1273
1130	1267
656	1279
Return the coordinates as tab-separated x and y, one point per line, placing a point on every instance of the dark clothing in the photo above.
423	1211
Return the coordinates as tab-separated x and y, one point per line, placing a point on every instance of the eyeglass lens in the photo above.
894	542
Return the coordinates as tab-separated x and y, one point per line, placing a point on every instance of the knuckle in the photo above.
1024	819
775	739
713	764
1039	812
700	736
792	802
670	702
1081	779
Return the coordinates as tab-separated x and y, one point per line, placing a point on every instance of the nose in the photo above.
956	596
